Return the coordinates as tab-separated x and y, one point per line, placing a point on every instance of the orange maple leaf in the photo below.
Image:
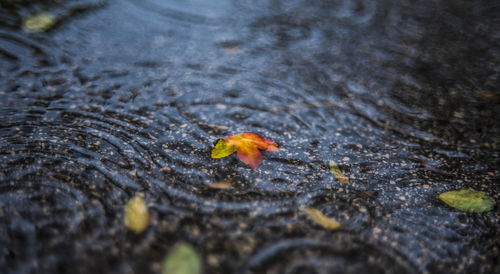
246	145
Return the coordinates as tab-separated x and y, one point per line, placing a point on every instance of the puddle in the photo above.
126	97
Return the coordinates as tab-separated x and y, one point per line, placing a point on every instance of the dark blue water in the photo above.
128	97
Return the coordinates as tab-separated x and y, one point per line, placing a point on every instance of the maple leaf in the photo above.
246	145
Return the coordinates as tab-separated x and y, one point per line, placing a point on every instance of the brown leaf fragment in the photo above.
335	170
221	185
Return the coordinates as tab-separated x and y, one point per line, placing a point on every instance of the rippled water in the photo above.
127	97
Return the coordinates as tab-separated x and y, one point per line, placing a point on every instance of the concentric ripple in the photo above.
305	255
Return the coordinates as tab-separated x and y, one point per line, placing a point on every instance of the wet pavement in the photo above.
121	98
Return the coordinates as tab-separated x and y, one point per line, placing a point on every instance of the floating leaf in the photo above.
39	22
136	214
217	127
335	170
247	146
319	218
467	200
221	185
183	259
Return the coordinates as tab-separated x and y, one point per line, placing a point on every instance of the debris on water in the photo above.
319	218
335	170
467	200
183	259
39	22
217	127
221	185
247	146
136	214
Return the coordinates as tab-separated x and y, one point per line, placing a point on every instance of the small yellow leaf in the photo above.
136	214
183	259
335	170
319	218
39	22
222	149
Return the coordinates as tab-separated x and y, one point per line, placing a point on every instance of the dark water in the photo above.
127	97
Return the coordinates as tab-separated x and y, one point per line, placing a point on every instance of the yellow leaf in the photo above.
319	218
335	170
39	22
136	214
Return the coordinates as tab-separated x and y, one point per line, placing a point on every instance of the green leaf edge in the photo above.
222	149
183	259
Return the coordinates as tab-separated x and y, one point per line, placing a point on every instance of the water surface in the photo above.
128	97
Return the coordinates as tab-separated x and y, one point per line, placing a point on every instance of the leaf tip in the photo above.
222	149
252	157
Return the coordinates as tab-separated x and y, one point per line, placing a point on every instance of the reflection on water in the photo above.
127	97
